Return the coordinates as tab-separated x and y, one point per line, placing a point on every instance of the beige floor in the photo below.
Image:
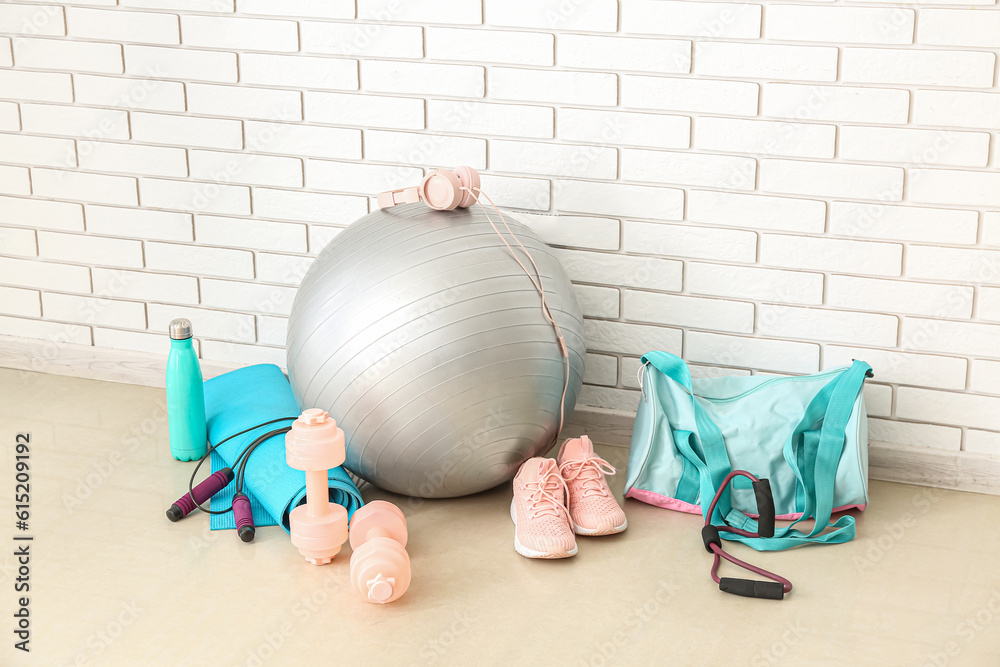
114	583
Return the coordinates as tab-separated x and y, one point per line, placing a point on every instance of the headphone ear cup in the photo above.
441	190
469	179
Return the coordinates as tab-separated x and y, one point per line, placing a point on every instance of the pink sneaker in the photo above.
542	526
593	510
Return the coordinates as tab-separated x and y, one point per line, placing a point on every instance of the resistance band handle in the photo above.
765	507
751	588
244	517
710	536
208	488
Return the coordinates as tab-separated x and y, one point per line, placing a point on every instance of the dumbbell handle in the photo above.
317	492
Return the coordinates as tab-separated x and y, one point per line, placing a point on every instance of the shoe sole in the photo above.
595	532
531	553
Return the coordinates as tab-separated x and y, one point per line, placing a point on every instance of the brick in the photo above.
727	20
308	206
66	54
688	311
825	254
700	95
766	137
757	353
245	355
226	32
958	108
903	223
609	398
32	19
19	302
365	110
598	301
767	61
914	435
491	46
613	269
284	269
90	310
928	147
952	186
972	338
138	223
878	399
837	103
133	159
147	93
117	26
989	304
982	442
424	149
623	127
10	117
37	86
252	234
41	214
959	27
443	11
14	180
827	325
665	56
272	330
553	159
926	68
899	296
592	88
744	282
44	275
299	71
591	16
311	140
577	231
720	171
250	168
991	229
187	130
514	120
197	197
985	376
601	369
521	193
320	236
948	407
756	211
251	297
392	76
177	258
136	341
181	63
56	332
38	151
89	187
16	241
617	199
959	264
185	5
853	25
363	40
832	180
323	9
210	99
96	250
627	338
208	323
74	121
903	367
145	286
354	177
727	245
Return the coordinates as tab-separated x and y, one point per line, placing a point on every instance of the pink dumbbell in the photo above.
314	445
380	566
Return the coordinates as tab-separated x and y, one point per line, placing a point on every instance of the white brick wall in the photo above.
764	186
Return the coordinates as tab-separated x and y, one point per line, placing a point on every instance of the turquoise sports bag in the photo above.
806	435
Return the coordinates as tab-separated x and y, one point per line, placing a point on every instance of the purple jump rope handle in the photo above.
208	488
244	517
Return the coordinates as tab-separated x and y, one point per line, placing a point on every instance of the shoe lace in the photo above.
542	499
590	471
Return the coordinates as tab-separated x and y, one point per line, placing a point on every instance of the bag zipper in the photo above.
772	381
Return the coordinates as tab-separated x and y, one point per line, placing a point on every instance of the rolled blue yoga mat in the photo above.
241	399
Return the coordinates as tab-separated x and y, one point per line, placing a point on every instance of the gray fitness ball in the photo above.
425	340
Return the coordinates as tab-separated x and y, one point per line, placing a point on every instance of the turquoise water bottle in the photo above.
185	396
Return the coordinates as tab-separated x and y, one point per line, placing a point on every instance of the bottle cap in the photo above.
180	329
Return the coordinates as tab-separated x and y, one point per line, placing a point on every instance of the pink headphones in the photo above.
441	189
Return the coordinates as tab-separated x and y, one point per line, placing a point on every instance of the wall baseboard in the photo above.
961	471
